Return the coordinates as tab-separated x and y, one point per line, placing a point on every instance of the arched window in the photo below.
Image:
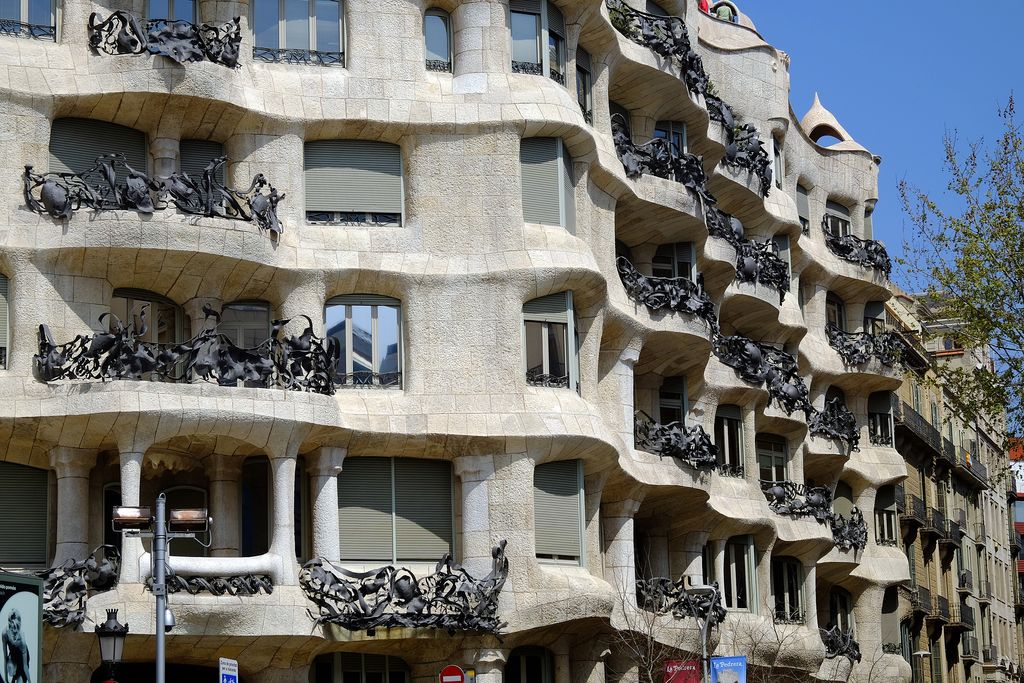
245	323
184	497
672	401
834	392
75	144
558	511
585	85
177	10
368	329
835	311
729	439
25	509
549	341
803	208
840	609
787	590
164	319
726	11
890	618
837	219
437	40
547	186
299	31
885	516
619	114
880	418
353	182
529	665
354	667
772	457
740	585
777	168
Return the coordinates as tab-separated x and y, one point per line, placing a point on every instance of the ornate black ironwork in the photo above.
303	362
17	29
866	253
664	596
122	34
67	587
658	158
665	36
438	65
241	585
858	348
365	379
530	68
852	533
840	643
789	616
727	470
588	115
448	599
690	444
677	294
745	150
891	648
760	262
61	194
763	364
799	500
536	378
835	422
723	225
557	77
285	55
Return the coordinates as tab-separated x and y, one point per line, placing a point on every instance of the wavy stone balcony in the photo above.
800	500
756	262
658	158
865	253
677	294
689	444
765	365
859	348
123	34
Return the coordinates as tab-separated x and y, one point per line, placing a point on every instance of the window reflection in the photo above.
435	35
245	324
369	336
525	37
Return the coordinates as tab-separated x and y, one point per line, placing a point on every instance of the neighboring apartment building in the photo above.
955	519
463	286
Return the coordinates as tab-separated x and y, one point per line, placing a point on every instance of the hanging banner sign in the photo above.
682	671
21	628
728	670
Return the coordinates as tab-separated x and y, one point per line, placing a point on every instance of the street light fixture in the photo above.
716	597
111	635
920	654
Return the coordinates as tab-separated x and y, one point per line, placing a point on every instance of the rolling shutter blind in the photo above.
568	193
75	144
364	510
423	509
195	155
803	206
552	308
842	500
353	176
24	509
880	402
538	158
583	59
532	6
5	336
729	412
837	208
555	21
874	309
363	300
556	508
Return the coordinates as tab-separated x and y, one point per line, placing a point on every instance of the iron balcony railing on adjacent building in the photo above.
922	600
913	512
961	618
948	452
969	648
965	584
990	654
980	534
940	610
970	469
984	592
905	416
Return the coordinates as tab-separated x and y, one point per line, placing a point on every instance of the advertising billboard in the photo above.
21	629
728	670
682	671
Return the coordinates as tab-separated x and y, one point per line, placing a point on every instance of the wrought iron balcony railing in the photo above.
880	429
302	362
906	416
123	34
941	609
965	581
969	465
886	541
790	616
953	533
939	523
866	253
765	365
840	643
531	68
676	294
969	647
984	592
439	65
961	617
664	596
857	348
892	648
658	157
948	452
59	195
915	511
449	598
990	654
980	533
755	261
690	444
835	422
849	533
727	470
536	378
283	55
923	603
17	29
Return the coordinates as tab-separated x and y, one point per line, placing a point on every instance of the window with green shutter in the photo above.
75	144
24	507
547	186
5	325
395	510
353	182
195	155
557	510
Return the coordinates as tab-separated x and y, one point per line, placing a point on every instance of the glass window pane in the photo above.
387	338
435	34
10	9
525	33
165	324
556	50
733	441
362	339
534	347
296	24
159	9
583	88
335	319
39	12
556	349
184	10
328	25
266	23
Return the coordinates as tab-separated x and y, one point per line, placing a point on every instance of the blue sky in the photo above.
899	76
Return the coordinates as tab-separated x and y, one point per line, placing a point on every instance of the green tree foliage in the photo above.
968	258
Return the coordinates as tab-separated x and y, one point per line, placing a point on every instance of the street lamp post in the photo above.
715	598
136	521
111	635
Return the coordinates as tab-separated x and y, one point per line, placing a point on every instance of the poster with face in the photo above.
21	629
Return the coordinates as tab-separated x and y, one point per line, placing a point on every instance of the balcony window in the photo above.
837	219
619	113
525	23
880	418
585	85
353	182
32	18
840	609
777	170
558	511
529	665
25	509
674	260
395	510
740	588
163	318
729	437
354	667
835	311
547	188
368	329
874	318
675	133
299	31
672	401
556	44
256	491
549	341
437	40
885	516
245	323
177	10
787	587
772	457
195	155
842	499
803	208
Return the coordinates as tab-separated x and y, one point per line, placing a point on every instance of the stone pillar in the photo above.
810	596
323	468
619	555
165	156
588	663
282	468
718	554
72	466
474	472
490	664
293	675
623	372
67	672
193	309
225	484
480	44
131	486
563	671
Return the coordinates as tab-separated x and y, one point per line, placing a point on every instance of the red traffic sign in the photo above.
452	674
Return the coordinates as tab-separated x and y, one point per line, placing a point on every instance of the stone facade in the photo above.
463	263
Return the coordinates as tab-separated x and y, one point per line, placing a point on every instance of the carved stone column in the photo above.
72	467
194	310
480	44
562	669
620	558
282	468
131	486
225	486
323	468
490	664
474	472
165	156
